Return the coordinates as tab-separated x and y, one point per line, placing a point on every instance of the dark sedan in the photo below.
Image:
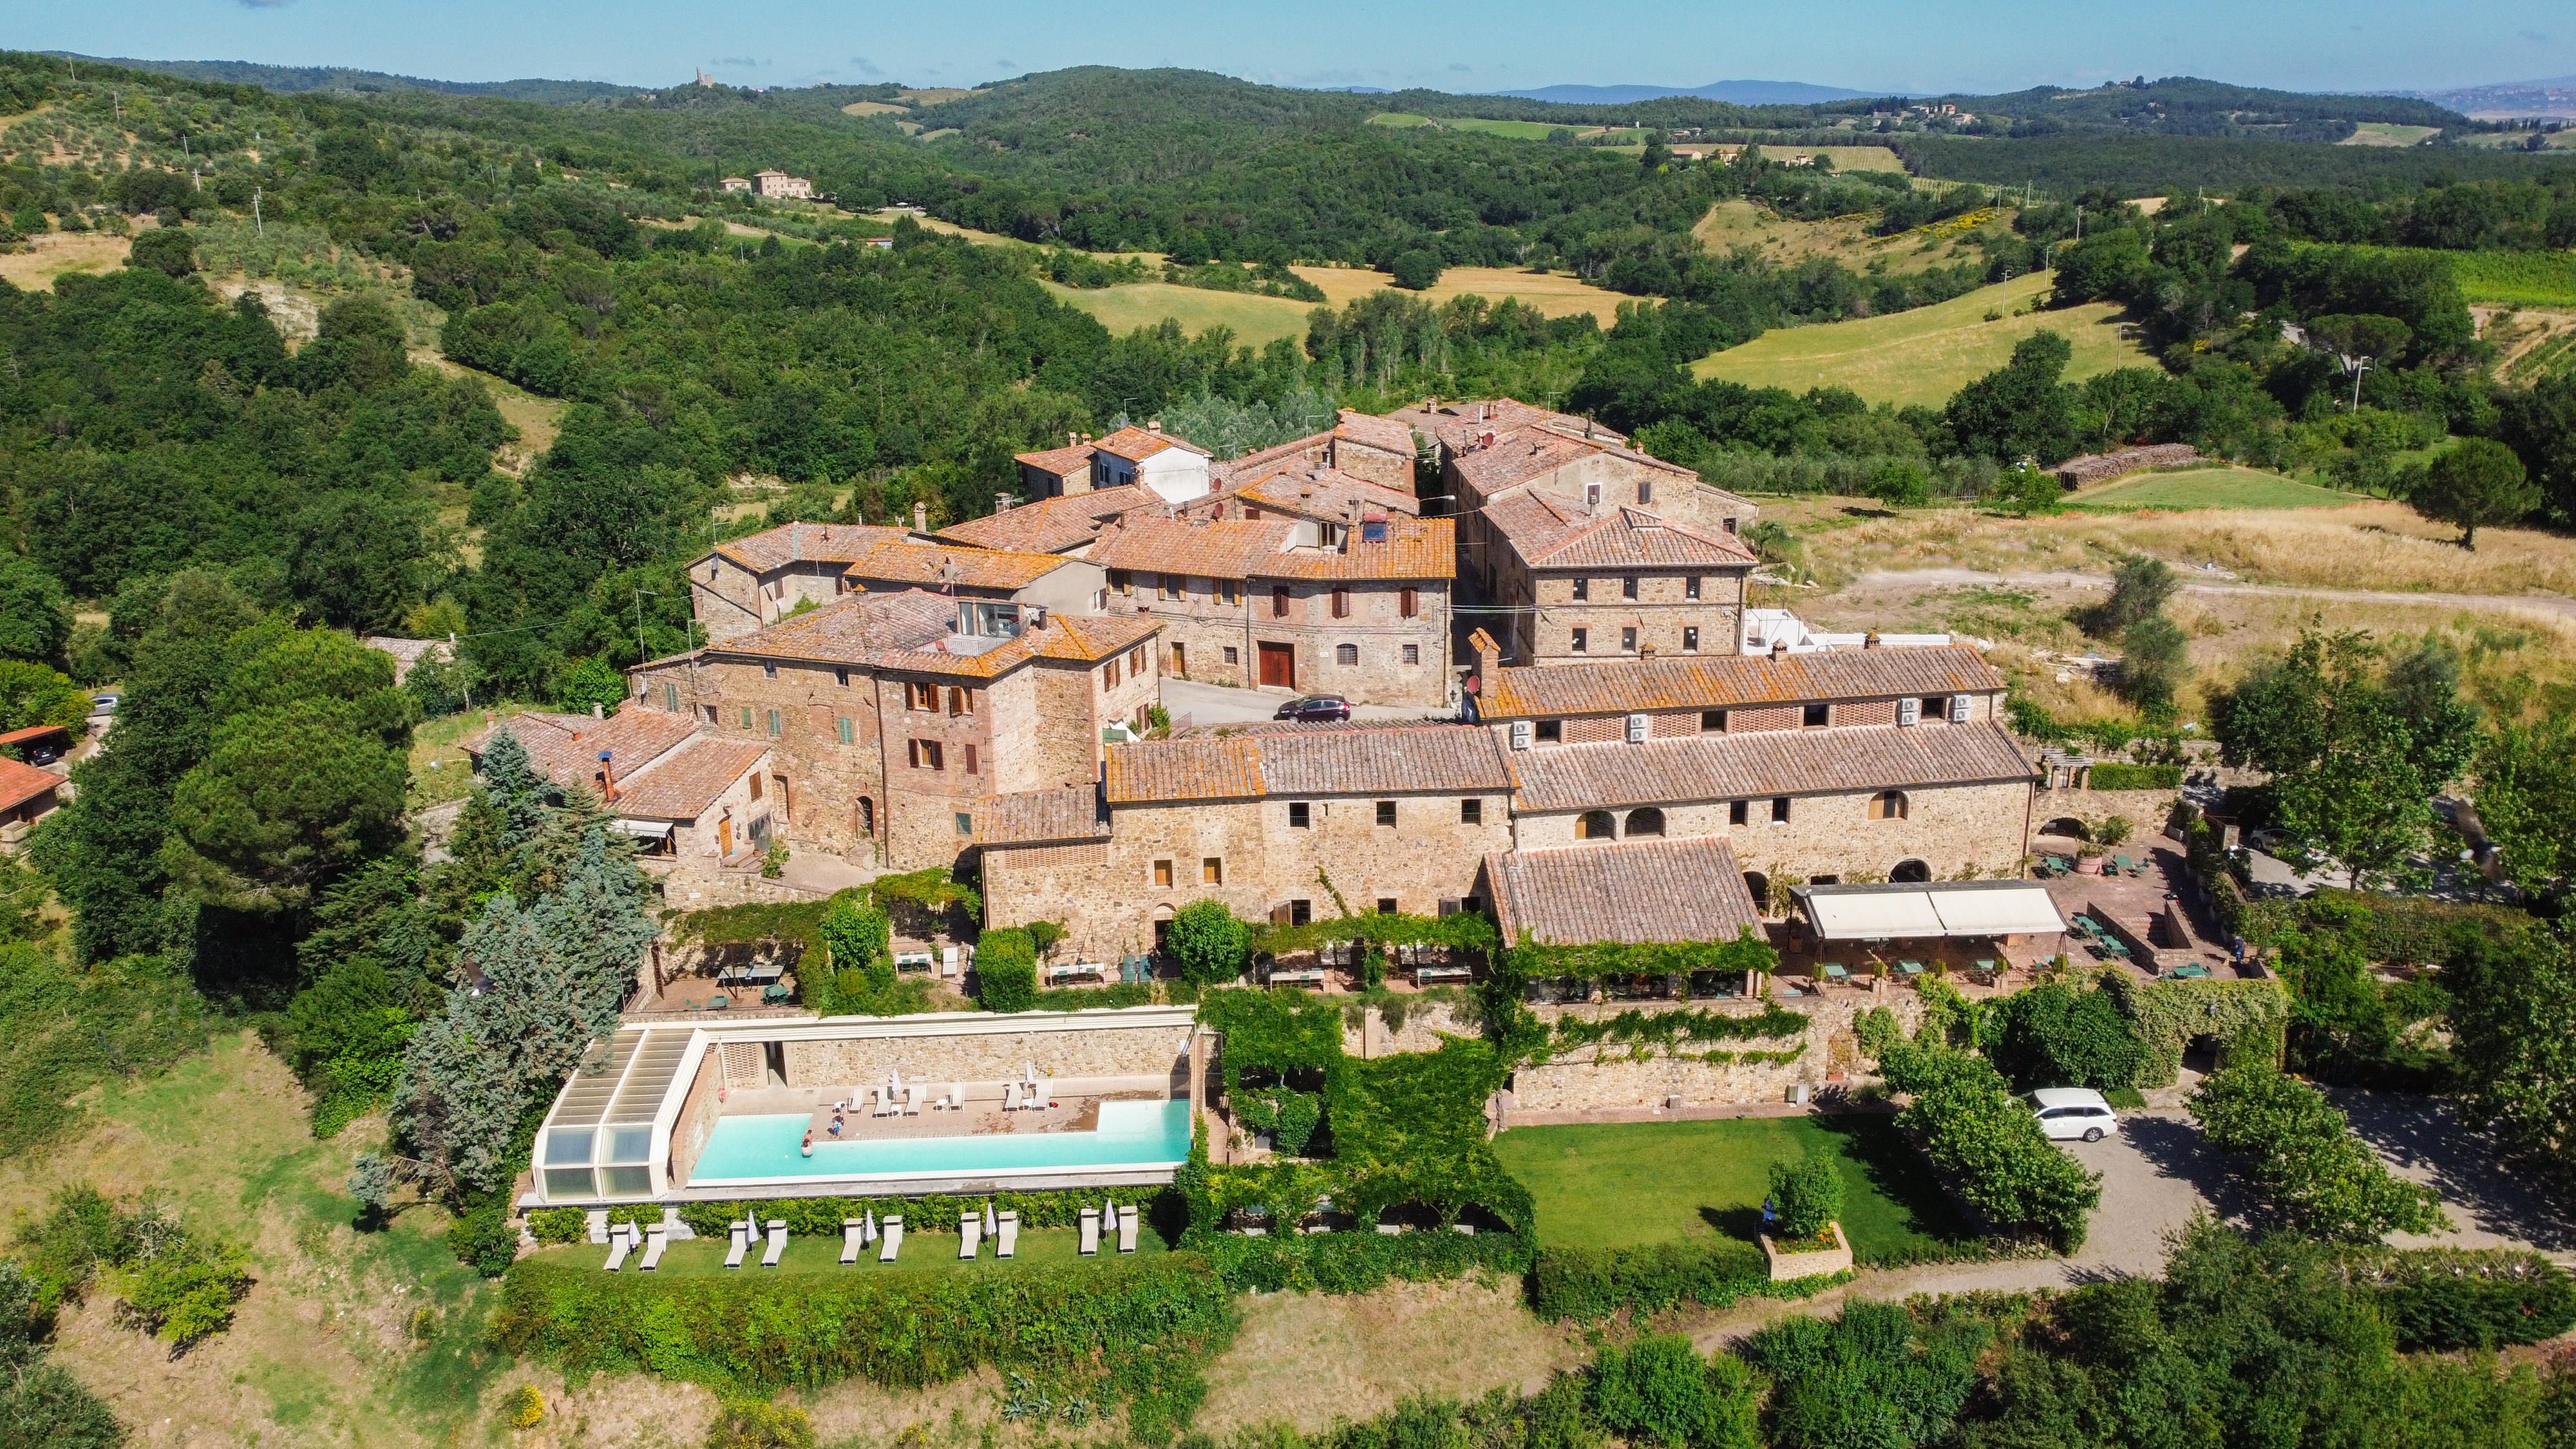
1315	706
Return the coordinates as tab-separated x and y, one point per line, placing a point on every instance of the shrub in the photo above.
2443	1299
2055	1035
1660	1391
2299	1155
1209	943
1806	1195
1590	1284
527	1407
559	1225
760	1424
822	1216
2115	775
857	934
483	1239
1416	270
1990	1150
1358	1262
1290	1117
1869	1377
1006	971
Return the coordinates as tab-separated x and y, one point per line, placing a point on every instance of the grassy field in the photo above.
1845	158
2389	133
1846	239
2197	488
923	1253
1650	1182
1304	1359
1255	319
2522	279
1553	294
1925	355
1509	130
56	254
874	108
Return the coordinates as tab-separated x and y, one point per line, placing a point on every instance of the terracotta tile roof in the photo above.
1516	460
1386	760
21	782
1763	762
1637	892
1391	435
852	629
34	732
565	747
1414	548
1051	525
1320	493
909	564
684	783
804	543
1137	444
1456	424
1071	458
1042	817
1548	534
1273	458
1073	638
1722	681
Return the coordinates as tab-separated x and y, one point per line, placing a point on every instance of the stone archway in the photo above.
1910	872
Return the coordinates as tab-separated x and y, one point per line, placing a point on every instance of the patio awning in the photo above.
649	829
1917	912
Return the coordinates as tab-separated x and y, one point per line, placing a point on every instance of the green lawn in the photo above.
1254	319
922	1253
2208	488
1647	1182
1925	355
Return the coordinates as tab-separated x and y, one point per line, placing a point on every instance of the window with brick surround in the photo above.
960	700
1174	585
1225	592
1301	912
1412	653
1388	905
1887	805
1471	812
1627	641
1817	716
971	759
1136	661
746	716
965	823
1109	675
842	728
1341	603
1408	602
1582	642
755	785
842	676
1278	602
1550	731
1162	873
1386	812
1300	815
1583	588
1690	639
1211	870
1233	655
1730	525
1628	587
926	755
775	725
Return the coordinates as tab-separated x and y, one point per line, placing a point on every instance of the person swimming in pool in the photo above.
806	1148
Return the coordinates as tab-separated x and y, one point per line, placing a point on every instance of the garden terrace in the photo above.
719	1110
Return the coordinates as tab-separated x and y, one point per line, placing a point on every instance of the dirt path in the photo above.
1890	580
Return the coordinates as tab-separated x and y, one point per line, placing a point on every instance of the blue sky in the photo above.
1494	45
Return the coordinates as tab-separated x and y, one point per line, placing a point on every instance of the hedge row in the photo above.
1591	1284
1357	1262
2442	1299
2113	775
822	1216
902	1329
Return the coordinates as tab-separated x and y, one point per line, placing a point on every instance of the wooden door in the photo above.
1180	660
724	837
1279	666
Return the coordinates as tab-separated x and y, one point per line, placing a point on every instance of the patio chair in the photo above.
1127	1228
1008	1241
774	995
739	1243
656	1238
619	1245
854	1233
777	1248
719	1002
892	1241
970	1233
952	1100
1834	972
1090	1231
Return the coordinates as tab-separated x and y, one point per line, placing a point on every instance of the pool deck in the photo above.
1069	1112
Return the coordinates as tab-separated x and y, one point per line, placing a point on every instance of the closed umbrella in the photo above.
868	1227
990	1227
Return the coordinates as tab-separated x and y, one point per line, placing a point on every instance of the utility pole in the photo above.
2079	221
256	224
2356	366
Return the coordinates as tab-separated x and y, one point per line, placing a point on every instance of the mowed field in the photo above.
1553	294
1925	355
1846	239
1255	320
2389	133
2196	488
56	254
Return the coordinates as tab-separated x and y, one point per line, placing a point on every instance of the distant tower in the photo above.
705	79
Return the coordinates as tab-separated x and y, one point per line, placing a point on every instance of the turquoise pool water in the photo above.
753	1149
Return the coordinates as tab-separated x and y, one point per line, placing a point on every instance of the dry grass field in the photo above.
1305	1359
1925	355
56	254
1553	294
1254	319
1846	239
874	108
2389	133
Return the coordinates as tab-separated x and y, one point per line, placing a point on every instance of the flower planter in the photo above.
1809	1264
2088	865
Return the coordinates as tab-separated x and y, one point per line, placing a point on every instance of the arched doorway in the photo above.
1162	925
2067	826
1910	872
1595	825
1649	821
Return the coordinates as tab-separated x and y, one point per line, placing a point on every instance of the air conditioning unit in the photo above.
1909	711
1958	709
1636	729
1520	734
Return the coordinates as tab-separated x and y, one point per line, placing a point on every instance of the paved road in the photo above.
1193	703
1891	579
2159	1171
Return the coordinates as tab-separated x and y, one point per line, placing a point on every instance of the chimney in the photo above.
1489	658
921	518
595	712
1870	641
607	774
1779	650
1645	651
796	539
1001	503
1153	425
1071	438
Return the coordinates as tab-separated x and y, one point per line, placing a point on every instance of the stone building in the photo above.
1056	472
1285	823
1720	693
1380	450
1176	471
1359	609
780	184
1487	450
748	583
686	793
1052	581
1620	583
1316	492
1067	524
891	717
1642	892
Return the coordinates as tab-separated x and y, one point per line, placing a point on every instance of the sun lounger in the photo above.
1090	1231
853	1236
885	1104
954	1100
1910	968
1834	972
970	1234
892	1241
619	1245
777	1248
740	1244
656	1238
912	1101
1127	1228
1008	1240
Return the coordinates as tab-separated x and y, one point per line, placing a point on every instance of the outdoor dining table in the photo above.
762	973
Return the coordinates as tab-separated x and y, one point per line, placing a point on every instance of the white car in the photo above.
2068	1114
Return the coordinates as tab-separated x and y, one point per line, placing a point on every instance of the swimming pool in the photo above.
762	1149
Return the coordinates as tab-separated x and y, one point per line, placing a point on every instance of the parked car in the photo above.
1315	706
44	754
105	703
2069	1114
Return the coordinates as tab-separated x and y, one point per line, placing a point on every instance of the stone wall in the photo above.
1958	831
697	885
2145	810
1661	613
826	779
1606	1080
697	1119
1219	626
1136	1055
